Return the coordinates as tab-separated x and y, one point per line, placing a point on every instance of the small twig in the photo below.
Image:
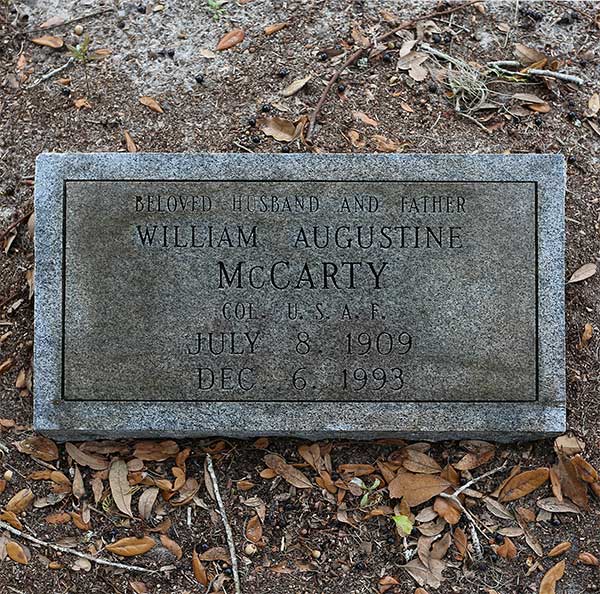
470	483
355	56
476	544
15	224
228	532
68	551
534	72
52	73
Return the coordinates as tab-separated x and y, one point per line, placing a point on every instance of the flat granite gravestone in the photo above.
307	295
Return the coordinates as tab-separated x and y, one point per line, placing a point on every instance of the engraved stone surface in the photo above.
307	295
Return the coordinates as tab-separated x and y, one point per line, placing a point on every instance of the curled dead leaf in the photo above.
416	488
131	148
131	546
555	573
274	28
38	447
119	486
172	546
254	530
17	552
85	459
230	40
559	549
522	484
151	103
20	501
198	569
278	128
583	273
287	471
294	87
49	41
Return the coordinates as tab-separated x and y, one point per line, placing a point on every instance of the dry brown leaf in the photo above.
230	40
58	518
80	522
416	488
187	492
555	573
49	41
522	484
20	501
356	139
555	506
156	451
568	445
11	518
585	470
54	21
387	582
146	502
461	543
119	486
420	463
559	549
383	144
254	530
365	119
172	546
82	103
84	459
528	56
216	554
582	273
351	470
287	471
473	460
278	128
131	546
588	558
294	87
586	336
151	103
555	484
139	587
18	553
447	509
131	148
39	447
594	104
507	549
198	569
572	486
274	28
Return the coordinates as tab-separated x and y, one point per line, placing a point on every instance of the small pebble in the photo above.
78	30
250	549
316	554
8	474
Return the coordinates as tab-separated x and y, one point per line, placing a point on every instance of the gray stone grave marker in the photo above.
307	295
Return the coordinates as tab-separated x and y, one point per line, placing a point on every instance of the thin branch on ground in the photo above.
228	531
52	73
499	67
470	483
354	57
68	551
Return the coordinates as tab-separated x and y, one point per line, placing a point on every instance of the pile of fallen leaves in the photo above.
444	516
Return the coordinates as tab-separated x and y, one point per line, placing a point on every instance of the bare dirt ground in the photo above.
322	536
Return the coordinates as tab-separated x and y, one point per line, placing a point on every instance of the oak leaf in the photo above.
230	40
156	451
119	486
523	483
274	28
131	546
131	148
18	553
582	273
295	86
447	509
49	41
198	569
555	573
38	446
151	103
585	470
254	530
287	471
20	501
587	558
278	128
146	502
572	486
559	549
172	546
507	549
85	459
416	488
420	462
